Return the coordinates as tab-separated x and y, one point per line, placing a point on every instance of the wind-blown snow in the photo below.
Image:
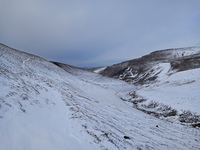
45	107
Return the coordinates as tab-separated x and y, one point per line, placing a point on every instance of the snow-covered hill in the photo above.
55	106
167	82
133	70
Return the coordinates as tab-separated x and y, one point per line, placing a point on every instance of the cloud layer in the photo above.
90	33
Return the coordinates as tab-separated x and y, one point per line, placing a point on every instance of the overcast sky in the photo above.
98	32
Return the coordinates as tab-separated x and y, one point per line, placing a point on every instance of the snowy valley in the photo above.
49	105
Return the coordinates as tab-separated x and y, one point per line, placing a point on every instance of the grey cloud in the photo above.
98	32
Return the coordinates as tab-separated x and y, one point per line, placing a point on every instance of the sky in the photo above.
91	33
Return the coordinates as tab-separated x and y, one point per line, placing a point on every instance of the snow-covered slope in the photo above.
165	79
45	106
99	70
179	90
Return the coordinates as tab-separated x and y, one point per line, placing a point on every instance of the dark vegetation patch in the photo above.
160	110
188	117
186	63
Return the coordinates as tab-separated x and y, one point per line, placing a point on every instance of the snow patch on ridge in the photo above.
99	70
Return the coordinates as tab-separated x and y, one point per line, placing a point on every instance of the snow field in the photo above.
45	107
